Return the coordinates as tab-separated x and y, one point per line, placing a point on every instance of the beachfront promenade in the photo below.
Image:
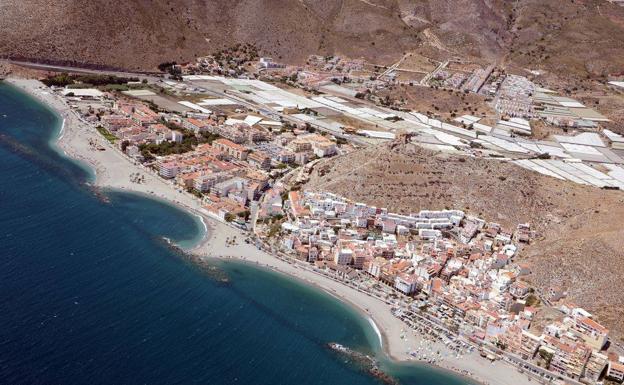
80	141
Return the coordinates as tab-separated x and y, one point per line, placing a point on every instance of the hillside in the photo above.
581	243
573	39
410	178
566	38
141	33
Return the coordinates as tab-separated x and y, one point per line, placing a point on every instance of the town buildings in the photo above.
464	267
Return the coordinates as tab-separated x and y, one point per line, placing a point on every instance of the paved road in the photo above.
59	68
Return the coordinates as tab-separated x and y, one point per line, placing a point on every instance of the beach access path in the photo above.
80	141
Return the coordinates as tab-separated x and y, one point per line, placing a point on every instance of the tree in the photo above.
229	217
147	157
207	137
195	192
125	145
546	356
532	300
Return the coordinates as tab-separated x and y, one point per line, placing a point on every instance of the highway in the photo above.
58	68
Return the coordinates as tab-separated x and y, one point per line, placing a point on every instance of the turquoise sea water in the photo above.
91	295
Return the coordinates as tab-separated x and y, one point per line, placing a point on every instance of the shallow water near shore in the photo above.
90	293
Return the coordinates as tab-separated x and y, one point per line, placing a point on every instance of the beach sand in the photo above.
113	171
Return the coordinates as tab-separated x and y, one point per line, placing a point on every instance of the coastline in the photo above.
112	171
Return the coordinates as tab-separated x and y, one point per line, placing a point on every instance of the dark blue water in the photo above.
89	294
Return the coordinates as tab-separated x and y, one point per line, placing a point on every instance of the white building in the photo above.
169	170
405	283
177	136
615	371
343	256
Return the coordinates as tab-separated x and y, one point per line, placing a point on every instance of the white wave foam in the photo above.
201	218
62	132
377	331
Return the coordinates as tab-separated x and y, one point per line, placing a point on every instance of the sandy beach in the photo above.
114	171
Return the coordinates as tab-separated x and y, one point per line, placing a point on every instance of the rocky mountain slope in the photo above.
582	37
573	39
143	33
581	242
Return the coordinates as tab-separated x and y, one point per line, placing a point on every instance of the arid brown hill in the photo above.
573	39
581	243
144	33
580	37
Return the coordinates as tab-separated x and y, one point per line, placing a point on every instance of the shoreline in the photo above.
111	170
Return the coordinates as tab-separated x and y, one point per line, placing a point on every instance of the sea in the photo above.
90	293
